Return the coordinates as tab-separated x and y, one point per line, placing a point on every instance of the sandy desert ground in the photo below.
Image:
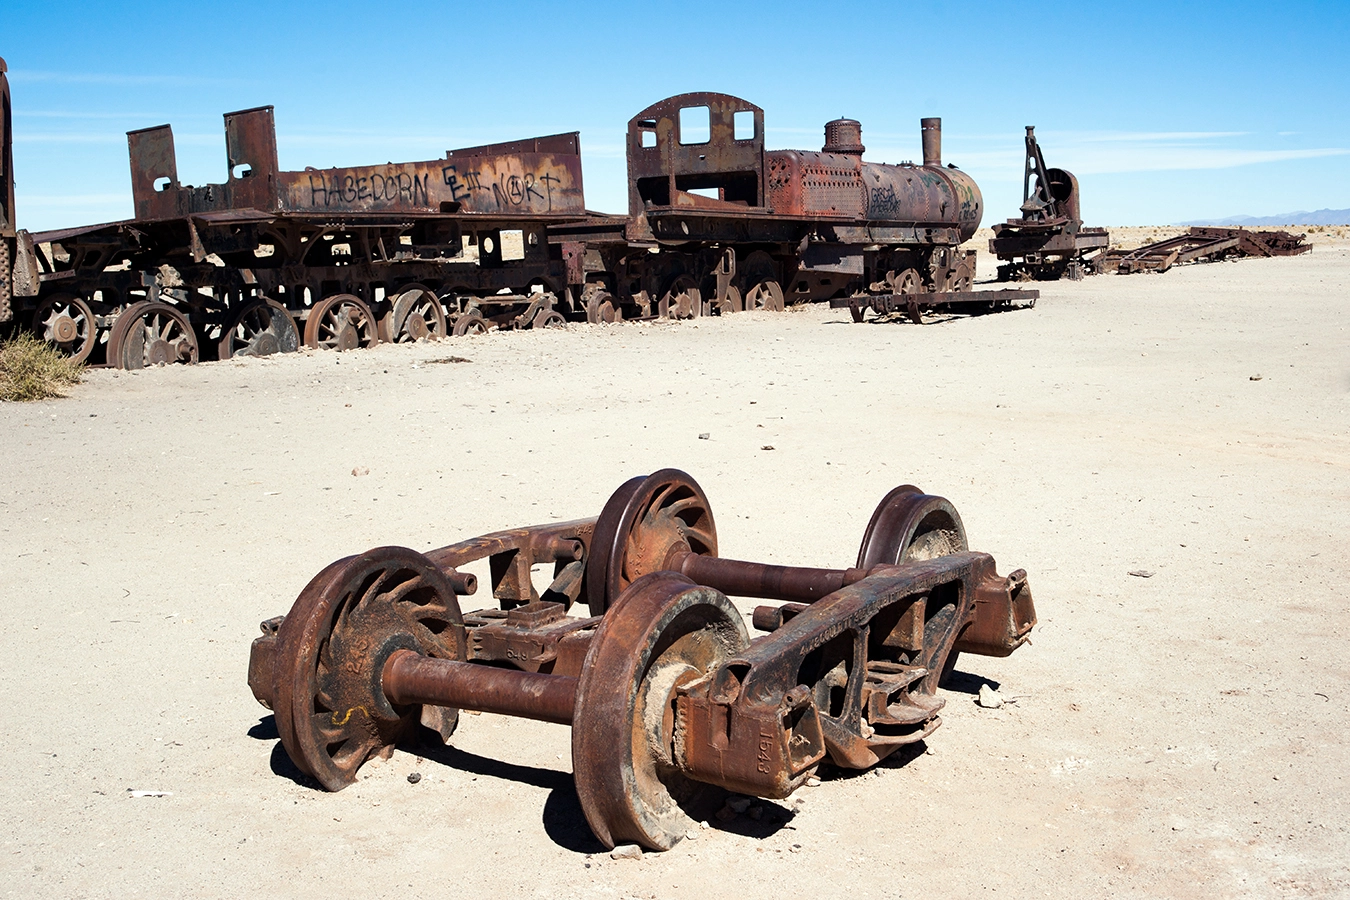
1182	735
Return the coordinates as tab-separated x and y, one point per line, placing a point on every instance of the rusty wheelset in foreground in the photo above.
671	702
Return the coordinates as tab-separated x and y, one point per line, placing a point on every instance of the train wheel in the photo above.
643	522
909	526
732	302
907	282
663	633
416	315
152	334
682	300
548	318
340	322
331	712
602	308
67	323
766	295
471	322
261	327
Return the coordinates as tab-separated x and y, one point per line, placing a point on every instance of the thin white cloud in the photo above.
1137	136
1192	158
1097	153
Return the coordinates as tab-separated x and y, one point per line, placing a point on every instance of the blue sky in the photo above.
1165	111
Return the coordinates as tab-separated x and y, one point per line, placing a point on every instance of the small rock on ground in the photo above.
989	697
626	851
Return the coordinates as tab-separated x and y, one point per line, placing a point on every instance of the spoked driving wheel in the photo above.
643	524
548	318
67	323
151	333
731	303
260	328
416	315
907	281
601	307
664	632
766	295
682	300
331	711
471	322
340	322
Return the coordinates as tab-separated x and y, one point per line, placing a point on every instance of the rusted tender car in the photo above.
735	226
331	258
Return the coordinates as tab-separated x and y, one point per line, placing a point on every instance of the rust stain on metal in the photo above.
671	700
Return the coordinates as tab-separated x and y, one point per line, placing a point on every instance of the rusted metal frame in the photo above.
1035	168
913	303
1162	255
511	554
1258	243
763	720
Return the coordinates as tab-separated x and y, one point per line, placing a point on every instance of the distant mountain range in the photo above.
1320	217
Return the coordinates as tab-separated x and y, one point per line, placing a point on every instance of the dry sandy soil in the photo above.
1182	735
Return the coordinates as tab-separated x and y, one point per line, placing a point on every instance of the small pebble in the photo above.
626	851
813	781
725	814
361	470
704	824
767	447
1142	573
1253	377
691	835
795	848
739	804
414	777
704	436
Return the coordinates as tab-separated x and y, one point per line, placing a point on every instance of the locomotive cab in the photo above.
699	149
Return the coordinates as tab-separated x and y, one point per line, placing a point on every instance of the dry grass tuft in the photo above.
31	369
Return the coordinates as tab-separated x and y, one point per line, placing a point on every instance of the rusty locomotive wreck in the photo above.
493	236
672	703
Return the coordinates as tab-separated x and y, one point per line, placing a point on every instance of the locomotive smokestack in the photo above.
932	141
843	136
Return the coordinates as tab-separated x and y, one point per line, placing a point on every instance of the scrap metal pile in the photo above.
1049	241
1203	244
670	699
